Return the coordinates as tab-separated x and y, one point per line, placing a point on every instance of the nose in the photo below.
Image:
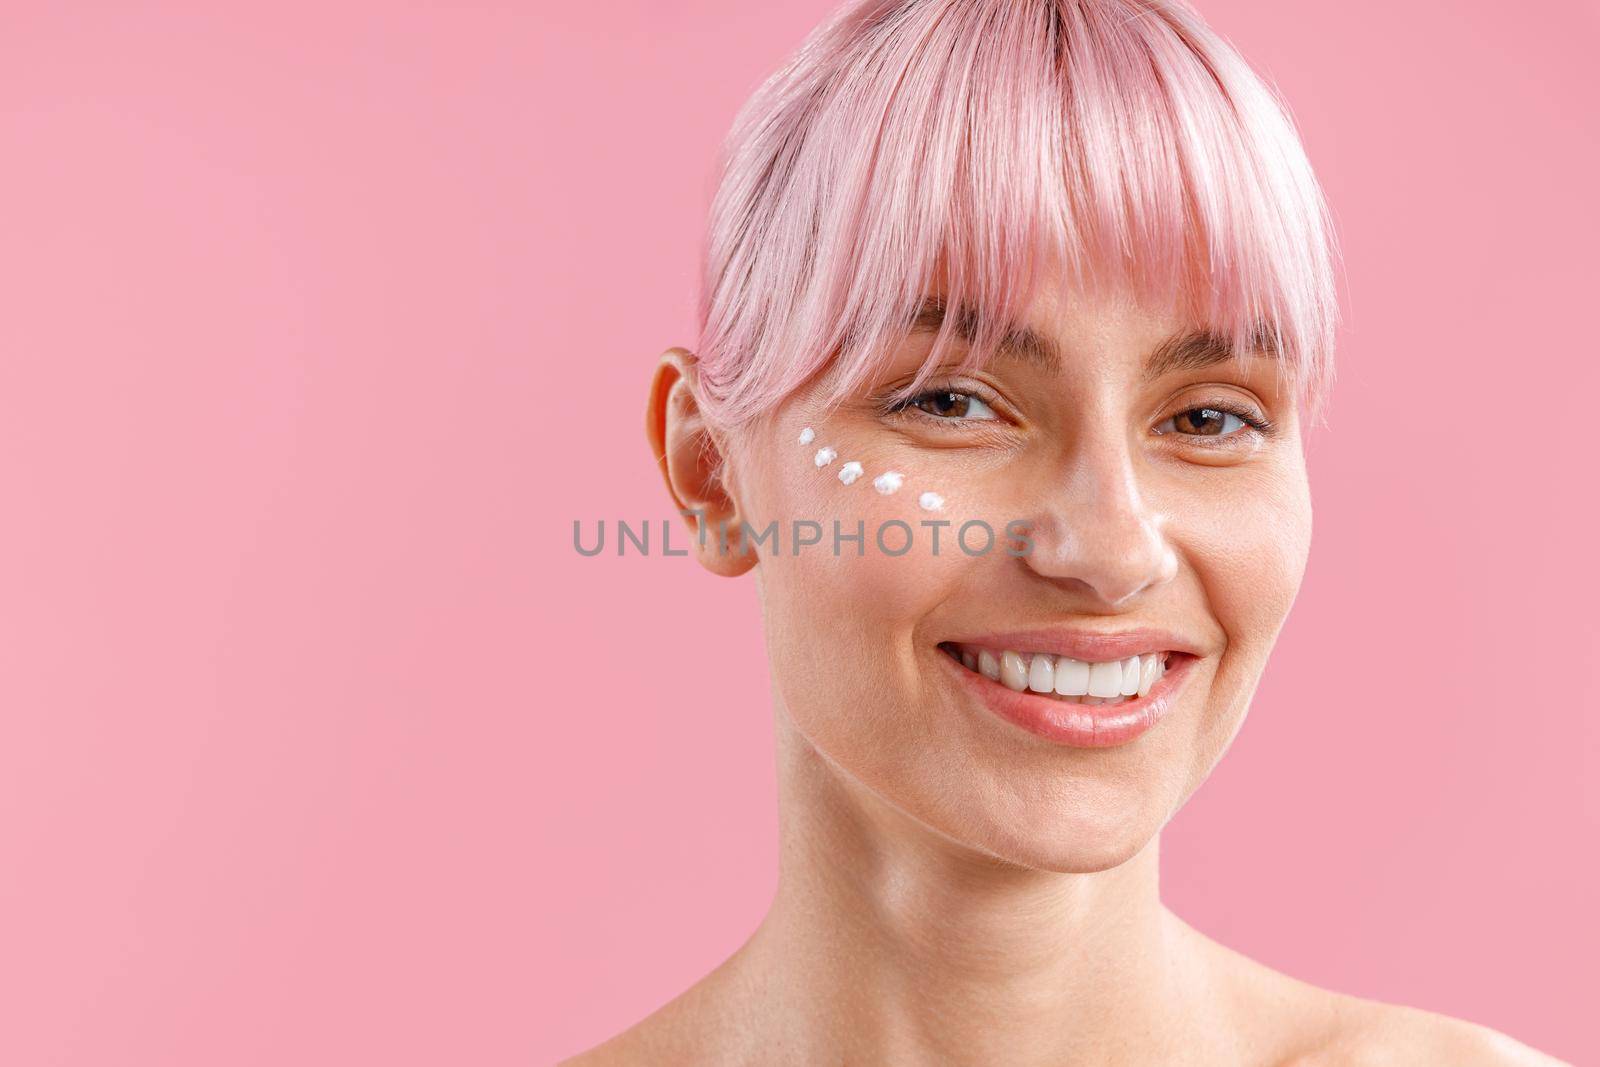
1093	528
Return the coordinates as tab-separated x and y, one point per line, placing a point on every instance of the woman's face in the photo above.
1148	500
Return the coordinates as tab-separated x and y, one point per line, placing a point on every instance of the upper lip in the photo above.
1089	645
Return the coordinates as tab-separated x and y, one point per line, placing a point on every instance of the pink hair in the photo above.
1121	142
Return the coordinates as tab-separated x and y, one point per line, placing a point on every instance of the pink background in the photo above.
322	322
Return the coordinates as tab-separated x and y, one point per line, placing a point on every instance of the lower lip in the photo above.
1078	725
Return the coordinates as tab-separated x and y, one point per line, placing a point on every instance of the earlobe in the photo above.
691	461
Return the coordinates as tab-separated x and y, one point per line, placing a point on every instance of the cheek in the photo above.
1251	554
890	526
849	605
1247	546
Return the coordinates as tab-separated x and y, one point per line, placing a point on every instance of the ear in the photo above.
693	465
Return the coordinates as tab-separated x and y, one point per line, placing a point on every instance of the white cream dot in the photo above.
930	501
807	435
849	472
825	456
888	482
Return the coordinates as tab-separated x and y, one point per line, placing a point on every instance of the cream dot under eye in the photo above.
850	472
930	501
807	435
825	456
888	482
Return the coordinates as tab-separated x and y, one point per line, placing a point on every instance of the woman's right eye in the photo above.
949	404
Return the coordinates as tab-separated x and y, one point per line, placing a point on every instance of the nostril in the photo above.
1116	554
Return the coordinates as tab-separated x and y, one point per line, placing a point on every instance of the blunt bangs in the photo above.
990	146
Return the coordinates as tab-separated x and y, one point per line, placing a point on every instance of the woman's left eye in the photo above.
947	404
1203	422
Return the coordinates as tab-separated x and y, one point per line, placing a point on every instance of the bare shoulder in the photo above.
1287	1022
616	1052
703	1026
674	1034
659	1039
1375	1034
1339	1030
633	1046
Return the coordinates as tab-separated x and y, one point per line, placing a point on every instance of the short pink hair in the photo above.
1121	142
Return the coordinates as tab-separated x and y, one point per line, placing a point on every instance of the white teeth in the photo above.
1105	679
1130	676
1152	668
1072	677
988	666
1013	672
1042	673
1113	682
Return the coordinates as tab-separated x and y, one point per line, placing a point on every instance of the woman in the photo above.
1015	314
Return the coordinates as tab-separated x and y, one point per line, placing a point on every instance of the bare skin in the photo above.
943	963
952	889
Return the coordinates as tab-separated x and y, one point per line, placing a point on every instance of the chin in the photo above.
1072	833
1078	847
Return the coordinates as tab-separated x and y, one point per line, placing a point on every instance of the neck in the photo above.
889	942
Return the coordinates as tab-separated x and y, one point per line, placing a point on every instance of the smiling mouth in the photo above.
1072	681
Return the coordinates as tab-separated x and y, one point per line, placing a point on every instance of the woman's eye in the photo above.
1203	422
951	405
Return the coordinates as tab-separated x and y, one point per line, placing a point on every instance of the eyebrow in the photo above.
1191	350
1020	342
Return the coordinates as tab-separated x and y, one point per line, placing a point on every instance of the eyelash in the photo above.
907	405
1247	415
